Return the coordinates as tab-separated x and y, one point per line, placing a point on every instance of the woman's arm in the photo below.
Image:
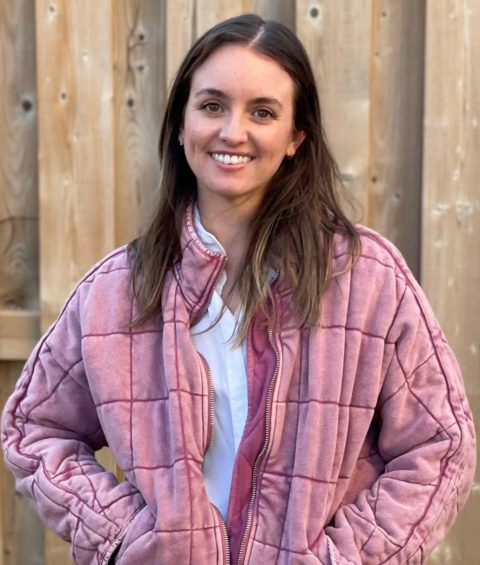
50	433
426	440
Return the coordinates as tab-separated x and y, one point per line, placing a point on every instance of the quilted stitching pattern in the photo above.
371	437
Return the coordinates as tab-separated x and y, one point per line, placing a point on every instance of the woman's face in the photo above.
238	124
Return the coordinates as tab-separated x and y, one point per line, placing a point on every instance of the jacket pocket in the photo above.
143	523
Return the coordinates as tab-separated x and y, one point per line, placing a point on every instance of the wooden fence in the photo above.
82	86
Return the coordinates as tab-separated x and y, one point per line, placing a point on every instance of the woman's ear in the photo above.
297	139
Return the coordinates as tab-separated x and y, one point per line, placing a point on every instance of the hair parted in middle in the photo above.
292	229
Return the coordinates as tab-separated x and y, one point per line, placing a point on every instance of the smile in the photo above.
231	159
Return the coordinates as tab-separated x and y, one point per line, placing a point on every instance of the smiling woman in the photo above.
238	128
269	377
246	91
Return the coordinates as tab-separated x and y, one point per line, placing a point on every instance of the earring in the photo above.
180	140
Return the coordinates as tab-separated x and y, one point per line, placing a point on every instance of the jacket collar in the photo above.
198	270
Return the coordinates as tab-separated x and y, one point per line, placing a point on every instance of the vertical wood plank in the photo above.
139	86
282	11
19	332
22	531
18	153
451	213
180	16
18	247
57	551
76	143
209	13
396	132
336	34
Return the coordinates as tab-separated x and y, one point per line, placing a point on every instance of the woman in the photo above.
270	379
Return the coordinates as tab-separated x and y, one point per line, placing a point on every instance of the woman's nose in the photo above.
233	130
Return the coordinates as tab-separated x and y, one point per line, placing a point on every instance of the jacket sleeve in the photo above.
50	432
426	440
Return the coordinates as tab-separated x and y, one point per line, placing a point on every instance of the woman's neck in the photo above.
230	225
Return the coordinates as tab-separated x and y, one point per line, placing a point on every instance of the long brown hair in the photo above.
292	229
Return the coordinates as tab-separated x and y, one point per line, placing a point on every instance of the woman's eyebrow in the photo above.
210	92
221	94
267	100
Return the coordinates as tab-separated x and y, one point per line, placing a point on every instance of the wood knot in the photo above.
27	105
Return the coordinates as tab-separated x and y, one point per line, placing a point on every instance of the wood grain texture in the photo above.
21	529
57	551
19	332
282	11
394	182
139	87
180	33
18	151
74	59
336	34
209	13
451	213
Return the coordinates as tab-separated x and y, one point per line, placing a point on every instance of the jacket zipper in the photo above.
211	388
211	416
248	524
243	545
211	403
331	552
226	541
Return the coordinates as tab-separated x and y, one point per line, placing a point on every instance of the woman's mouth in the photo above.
228	159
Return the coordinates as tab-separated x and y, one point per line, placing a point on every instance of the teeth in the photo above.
231	159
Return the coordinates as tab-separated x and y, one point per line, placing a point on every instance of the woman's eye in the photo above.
212	107
263	114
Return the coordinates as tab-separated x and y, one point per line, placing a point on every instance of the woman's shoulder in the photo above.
376	278
375	253
113	265
375	288
104	288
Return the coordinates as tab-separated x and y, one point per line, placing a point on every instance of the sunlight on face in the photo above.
238	124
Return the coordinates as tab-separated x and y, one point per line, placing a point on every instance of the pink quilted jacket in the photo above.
358	446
